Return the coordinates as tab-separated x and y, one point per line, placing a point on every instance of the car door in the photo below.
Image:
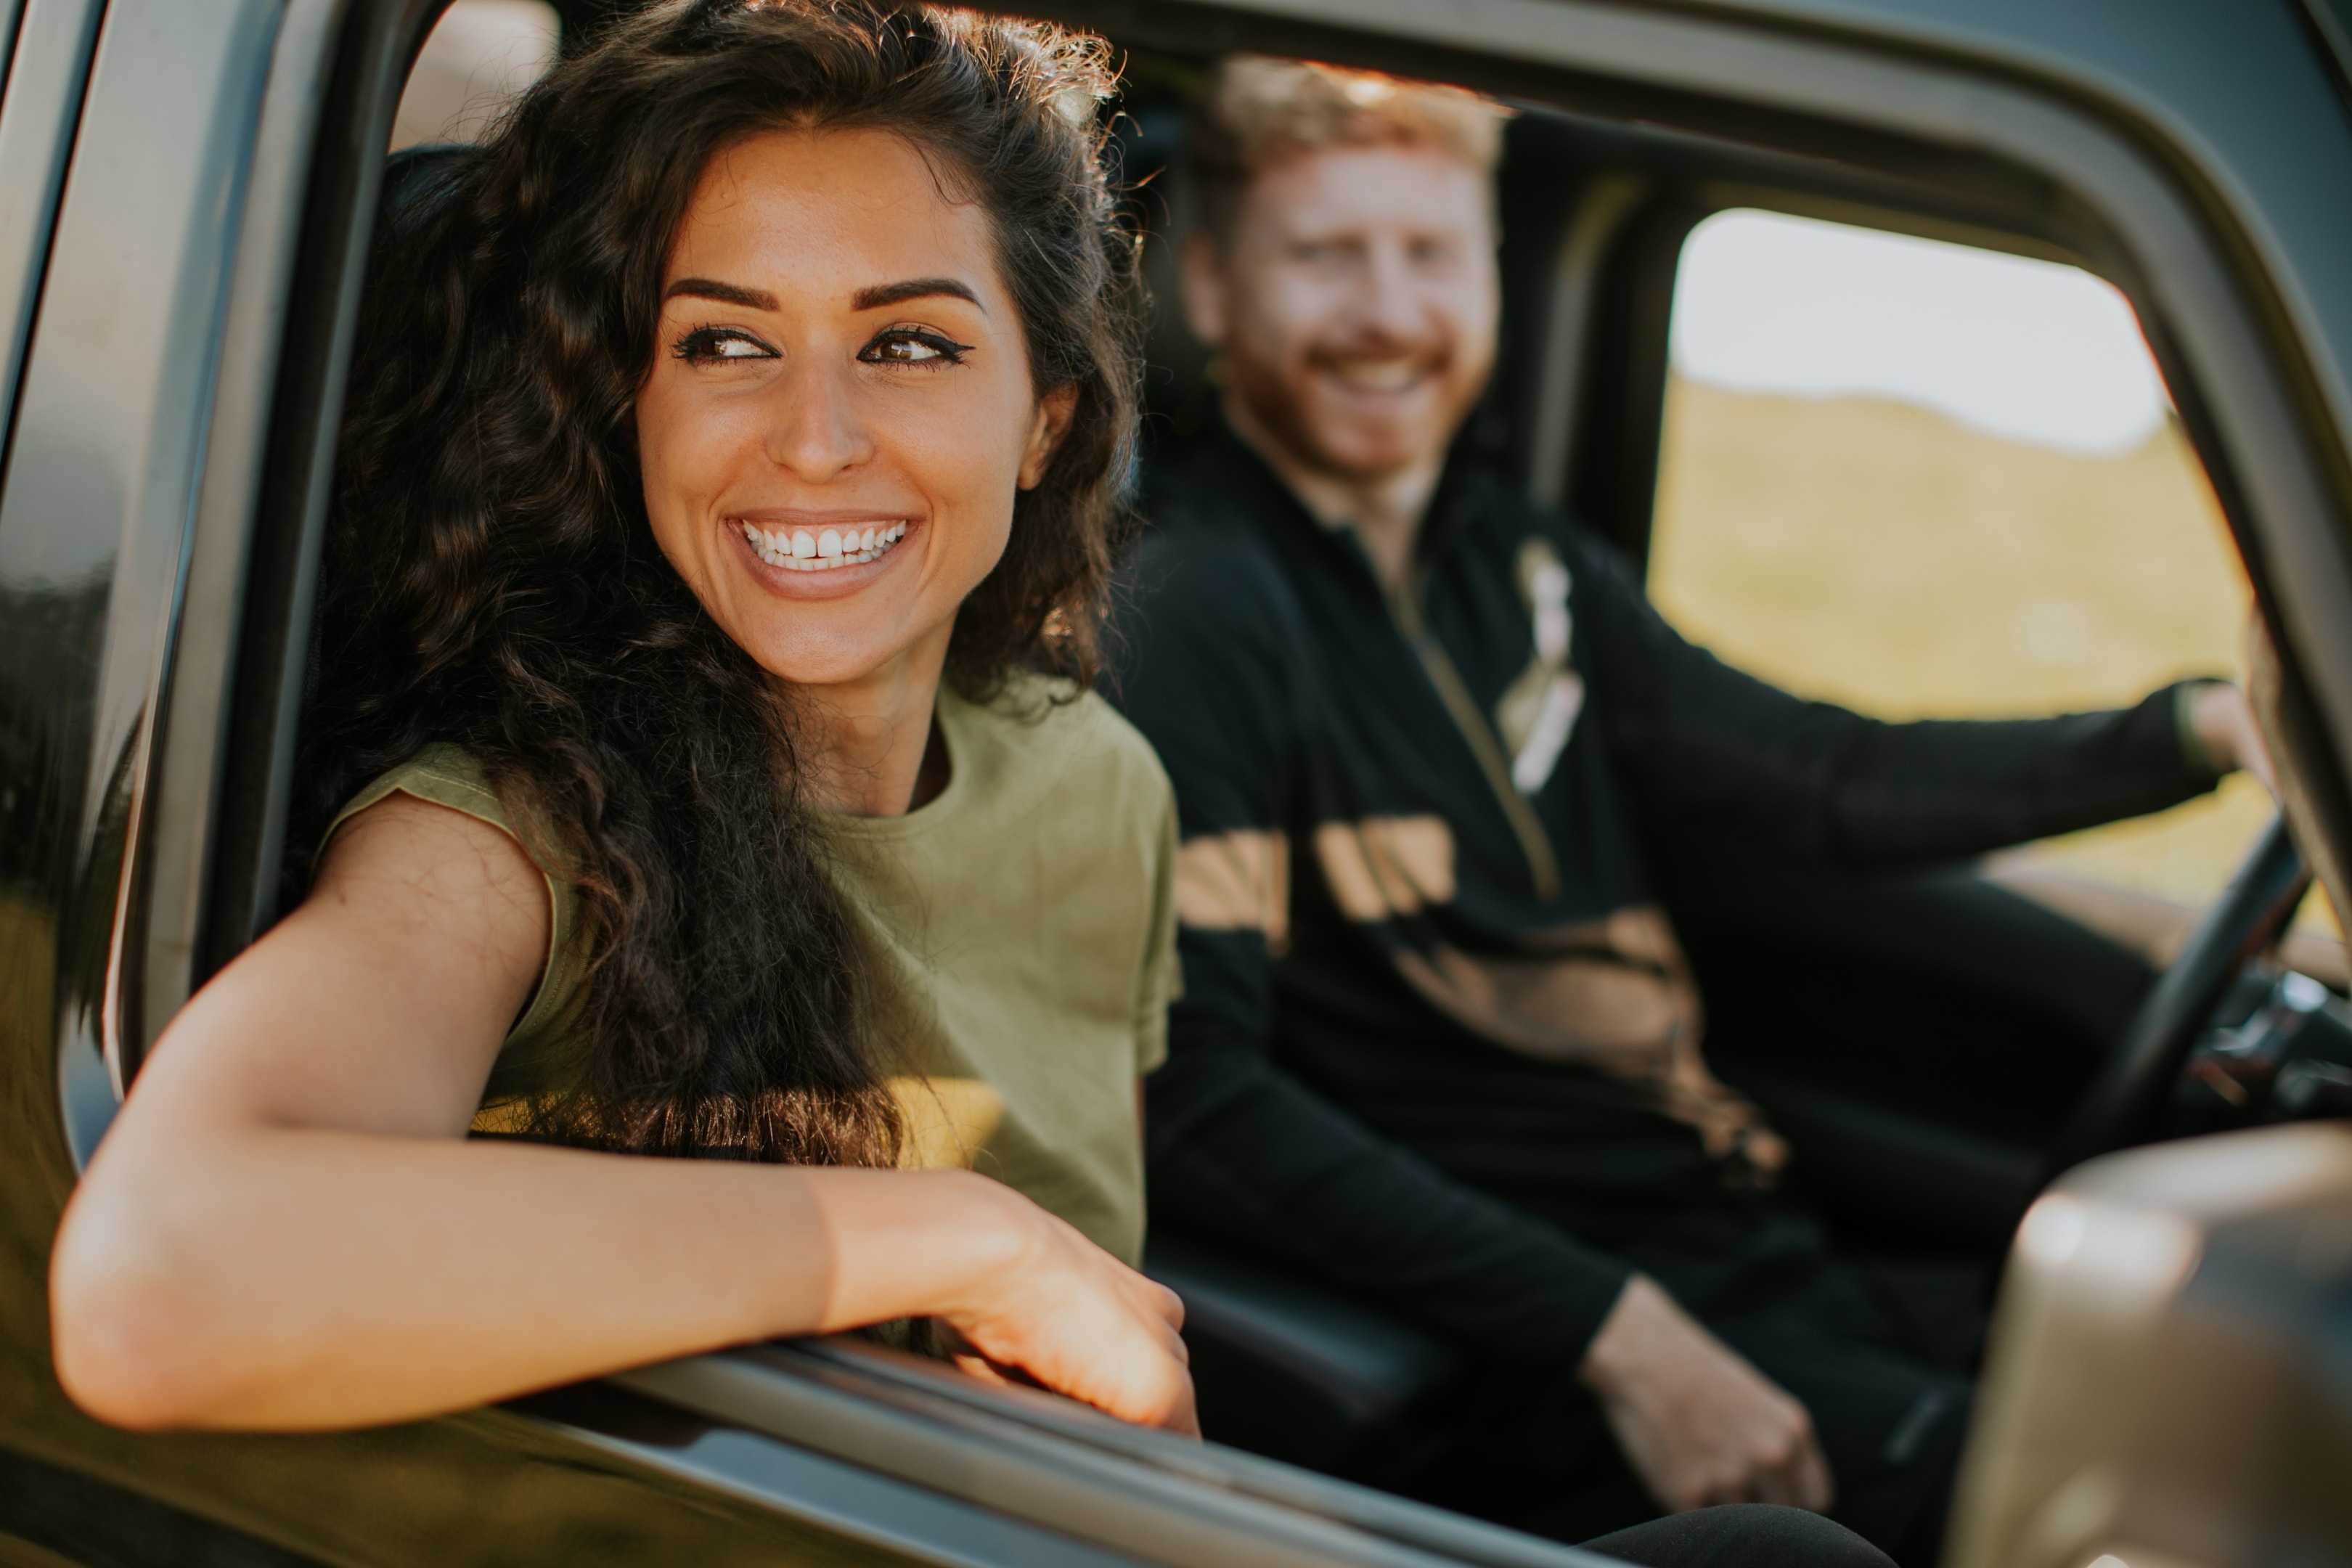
187	297
189	280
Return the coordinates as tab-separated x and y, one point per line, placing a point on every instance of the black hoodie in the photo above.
1428	989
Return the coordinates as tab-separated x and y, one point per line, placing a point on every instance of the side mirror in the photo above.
2170	1384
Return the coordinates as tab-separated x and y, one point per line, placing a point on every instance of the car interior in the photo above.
2042	1021
2030	1036
1937	1045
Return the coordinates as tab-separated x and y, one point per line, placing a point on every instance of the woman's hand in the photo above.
1067	1313
1698	1423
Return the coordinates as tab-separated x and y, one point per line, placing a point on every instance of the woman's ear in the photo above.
1045	432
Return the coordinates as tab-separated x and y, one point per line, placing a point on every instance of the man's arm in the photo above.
1691	732
1242	1149
1214	674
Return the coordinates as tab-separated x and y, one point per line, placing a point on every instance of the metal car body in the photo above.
188	189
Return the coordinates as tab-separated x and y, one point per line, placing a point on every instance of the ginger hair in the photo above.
1260	110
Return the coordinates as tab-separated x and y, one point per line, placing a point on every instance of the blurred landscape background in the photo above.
1926	479
1886	556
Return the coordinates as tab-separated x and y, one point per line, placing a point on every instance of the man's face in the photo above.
1355	302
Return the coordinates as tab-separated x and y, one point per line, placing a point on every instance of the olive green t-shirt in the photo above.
1025	920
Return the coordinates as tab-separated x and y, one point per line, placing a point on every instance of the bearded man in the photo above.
1439	1042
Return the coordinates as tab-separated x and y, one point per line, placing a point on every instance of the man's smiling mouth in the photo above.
821	549
1383	375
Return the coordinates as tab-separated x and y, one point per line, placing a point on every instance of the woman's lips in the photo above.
766	544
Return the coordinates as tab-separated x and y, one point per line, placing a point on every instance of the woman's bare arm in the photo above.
287	1227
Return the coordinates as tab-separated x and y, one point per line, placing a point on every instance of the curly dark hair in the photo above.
490	578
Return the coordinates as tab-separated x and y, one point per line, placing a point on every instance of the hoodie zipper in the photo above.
1405	613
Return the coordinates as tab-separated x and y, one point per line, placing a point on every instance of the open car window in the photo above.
477	60
1926	480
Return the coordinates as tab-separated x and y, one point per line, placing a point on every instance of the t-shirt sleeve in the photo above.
1163	977
1705	740
450	776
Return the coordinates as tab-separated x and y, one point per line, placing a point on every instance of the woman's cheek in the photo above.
994	476
957	458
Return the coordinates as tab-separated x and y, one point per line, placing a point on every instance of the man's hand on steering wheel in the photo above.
2147	1059
2224	722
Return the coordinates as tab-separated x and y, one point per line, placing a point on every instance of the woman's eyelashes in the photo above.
913	345
898	345
721	345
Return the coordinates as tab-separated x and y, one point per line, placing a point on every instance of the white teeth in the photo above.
1379	376
797	550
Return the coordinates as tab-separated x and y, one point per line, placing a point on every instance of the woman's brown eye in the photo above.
906	347
708	345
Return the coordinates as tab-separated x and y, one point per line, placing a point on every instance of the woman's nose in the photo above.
818	431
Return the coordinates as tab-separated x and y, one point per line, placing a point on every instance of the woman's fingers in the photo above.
1183	1417
974	1364
1146	1383
1169	1304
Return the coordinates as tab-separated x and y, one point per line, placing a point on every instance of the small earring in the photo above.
1218	372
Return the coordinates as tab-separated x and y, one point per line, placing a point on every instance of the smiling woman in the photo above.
723	525
828	459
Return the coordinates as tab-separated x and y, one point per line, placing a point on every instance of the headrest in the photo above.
416	177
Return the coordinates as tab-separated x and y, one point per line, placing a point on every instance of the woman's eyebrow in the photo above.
883	294
726	293
873	299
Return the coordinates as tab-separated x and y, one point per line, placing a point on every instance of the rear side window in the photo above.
480	58
1924	480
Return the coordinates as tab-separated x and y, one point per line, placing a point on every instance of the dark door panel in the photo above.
50	1515
108	445
47	44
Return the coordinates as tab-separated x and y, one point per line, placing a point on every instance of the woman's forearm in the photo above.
274	1279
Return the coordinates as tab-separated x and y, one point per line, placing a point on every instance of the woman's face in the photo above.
840	407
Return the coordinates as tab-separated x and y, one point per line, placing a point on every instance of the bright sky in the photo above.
2028	349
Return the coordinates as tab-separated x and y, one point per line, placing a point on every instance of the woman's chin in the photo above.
834	647
839	669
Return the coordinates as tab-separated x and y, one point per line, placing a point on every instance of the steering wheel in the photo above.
2131	1085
